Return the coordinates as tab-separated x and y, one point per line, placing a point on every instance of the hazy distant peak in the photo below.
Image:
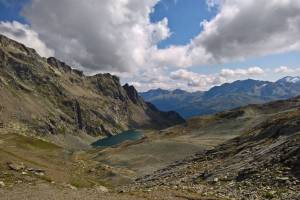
289	79
179	91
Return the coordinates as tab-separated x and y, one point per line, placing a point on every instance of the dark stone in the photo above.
78	72
245	174
231	114
58	64
109	85
78	116
206	175
51	128
16	167
132	94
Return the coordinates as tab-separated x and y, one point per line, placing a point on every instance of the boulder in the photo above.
16	167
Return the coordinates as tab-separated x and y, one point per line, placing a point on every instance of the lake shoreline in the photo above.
115	140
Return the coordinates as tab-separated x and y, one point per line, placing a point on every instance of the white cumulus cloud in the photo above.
287	70
99	35
195	81
249	28
234	73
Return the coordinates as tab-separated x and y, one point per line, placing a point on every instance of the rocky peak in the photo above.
108	76
78	72
16	47
58	64
109	85
63	66
132	93
179	92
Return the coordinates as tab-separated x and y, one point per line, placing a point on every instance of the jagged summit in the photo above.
133	94
14	46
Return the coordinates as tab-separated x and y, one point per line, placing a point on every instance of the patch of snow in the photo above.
290	79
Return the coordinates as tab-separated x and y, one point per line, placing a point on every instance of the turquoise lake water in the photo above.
118	139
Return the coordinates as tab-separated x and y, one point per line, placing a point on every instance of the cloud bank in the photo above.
284	70
119	36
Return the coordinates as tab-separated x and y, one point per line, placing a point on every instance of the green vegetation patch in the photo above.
28	142
81	182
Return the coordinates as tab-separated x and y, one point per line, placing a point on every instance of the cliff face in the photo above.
46	96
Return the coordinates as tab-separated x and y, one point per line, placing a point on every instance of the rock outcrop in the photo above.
133	94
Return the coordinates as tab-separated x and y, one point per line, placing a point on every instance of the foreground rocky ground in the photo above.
263	163
49	192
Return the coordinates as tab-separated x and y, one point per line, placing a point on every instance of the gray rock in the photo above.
16	167
2	184
102	189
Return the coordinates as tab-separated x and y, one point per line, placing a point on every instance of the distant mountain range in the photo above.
224	97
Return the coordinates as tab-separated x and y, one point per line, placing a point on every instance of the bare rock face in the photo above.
78	116
58	64
109	85
47	96
133	94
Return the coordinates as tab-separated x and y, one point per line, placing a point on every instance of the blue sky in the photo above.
184	19
185	54
10	10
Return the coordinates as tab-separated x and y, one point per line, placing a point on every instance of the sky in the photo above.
187	44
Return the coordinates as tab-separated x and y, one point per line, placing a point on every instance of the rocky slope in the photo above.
46	97
263	163
224	97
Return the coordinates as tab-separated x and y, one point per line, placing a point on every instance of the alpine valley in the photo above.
65	135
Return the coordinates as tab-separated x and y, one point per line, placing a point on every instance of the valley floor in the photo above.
32	168
248	153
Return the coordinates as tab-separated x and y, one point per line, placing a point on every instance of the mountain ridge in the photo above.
224	97
46	97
